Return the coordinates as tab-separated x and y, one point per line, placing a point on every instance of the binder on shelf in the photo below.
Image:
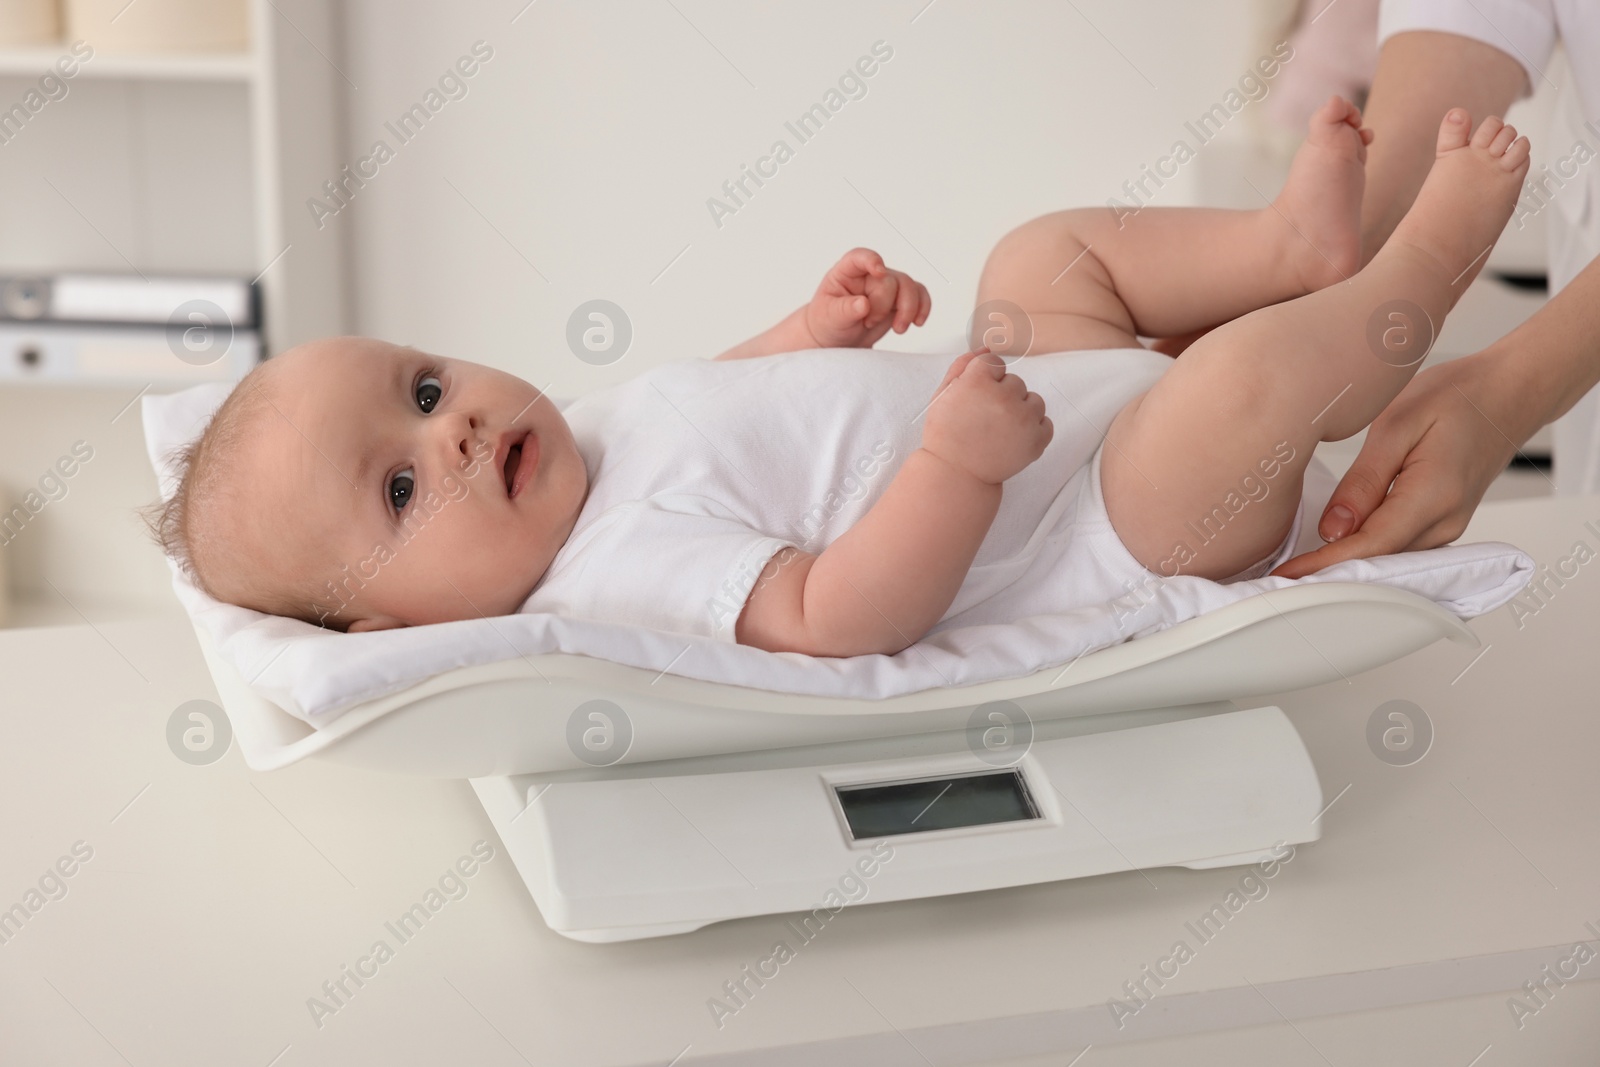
123	299
107	329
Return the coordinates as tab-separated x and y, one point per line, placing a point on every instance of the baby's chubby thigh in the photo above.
1207	505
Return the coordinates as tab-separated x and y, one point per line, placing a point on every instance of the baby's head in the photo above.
361	485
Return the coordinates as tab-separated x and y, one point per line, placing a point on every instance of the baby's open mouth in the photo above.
513	459
521	459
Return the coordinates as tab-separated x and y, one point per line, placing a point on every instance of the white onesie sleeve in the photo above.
1525	30
670	563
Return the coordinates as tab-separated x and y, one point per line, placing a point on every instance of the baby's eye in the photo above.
429	390
401	487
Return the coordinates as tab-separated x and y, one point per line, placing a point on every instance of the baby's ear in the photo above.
381	622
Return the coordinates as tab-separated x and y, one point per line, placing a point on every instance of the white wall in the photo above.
588	146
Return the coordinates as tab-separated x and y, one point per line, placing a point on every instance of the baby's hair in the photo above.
202	471
171	522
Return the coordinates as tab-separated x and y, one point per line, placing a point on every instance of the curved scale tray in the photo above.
511	717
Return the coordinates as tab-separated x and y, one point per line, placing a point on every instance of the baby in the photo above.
842	502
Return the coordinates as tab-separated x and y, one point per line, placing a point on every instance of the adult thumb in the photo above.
1363	486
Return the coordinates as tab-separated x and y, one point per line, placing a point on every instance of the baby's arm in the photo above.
790	335
882	584
856	304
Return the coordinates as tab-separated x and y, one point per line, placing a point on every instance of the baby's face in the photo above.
409	488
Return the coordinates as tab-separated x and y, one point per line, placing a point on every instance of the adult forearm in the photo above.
882	584
790	335
1421	75
1553	358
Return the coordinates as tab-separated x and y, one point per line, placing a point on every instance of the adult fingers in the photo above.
1366	484
1393	527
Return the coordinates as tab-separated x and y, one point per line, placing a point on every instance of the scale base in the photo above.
622	858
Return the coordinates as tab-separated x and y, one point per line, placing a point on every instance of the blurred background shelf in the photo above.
175	66
161	163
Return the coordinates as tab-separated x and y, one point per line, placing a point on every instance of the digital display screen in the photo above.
888	808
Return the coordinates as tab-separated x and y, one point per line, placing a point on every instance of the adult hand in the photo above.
1449	433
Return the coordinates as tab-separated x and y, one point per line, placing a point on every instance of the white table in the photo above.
217	901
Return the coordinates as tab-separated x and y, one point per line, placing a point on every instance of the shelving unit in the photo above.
290	92
172	66
171	164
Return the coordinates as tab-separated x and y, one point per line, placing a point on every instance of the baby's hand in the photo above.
984	420
860	299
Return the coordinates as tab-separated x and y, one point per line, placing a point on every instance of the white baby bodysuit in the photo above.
701	470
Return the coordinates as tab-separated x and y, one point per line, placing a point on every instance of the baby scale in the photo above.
636	804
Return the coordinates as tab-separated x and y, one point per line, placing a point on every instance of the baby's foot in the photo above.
1321	201
1467	197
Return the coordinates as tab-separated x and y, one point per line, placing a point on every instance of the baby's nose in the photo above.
460	431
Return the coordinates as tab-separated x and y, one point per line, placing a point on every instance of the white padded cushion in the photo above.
315	674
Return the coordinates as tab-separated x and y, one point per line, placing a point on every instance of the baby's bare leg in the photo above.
1096	278
1185	463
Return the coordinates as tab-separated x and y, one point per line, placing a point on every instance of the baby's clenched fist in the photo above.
985	421
860	299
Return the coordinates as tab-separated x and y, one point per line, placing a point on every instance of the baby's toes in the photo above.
1327	118
1516	156
1484	136
1502	140
1454	129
